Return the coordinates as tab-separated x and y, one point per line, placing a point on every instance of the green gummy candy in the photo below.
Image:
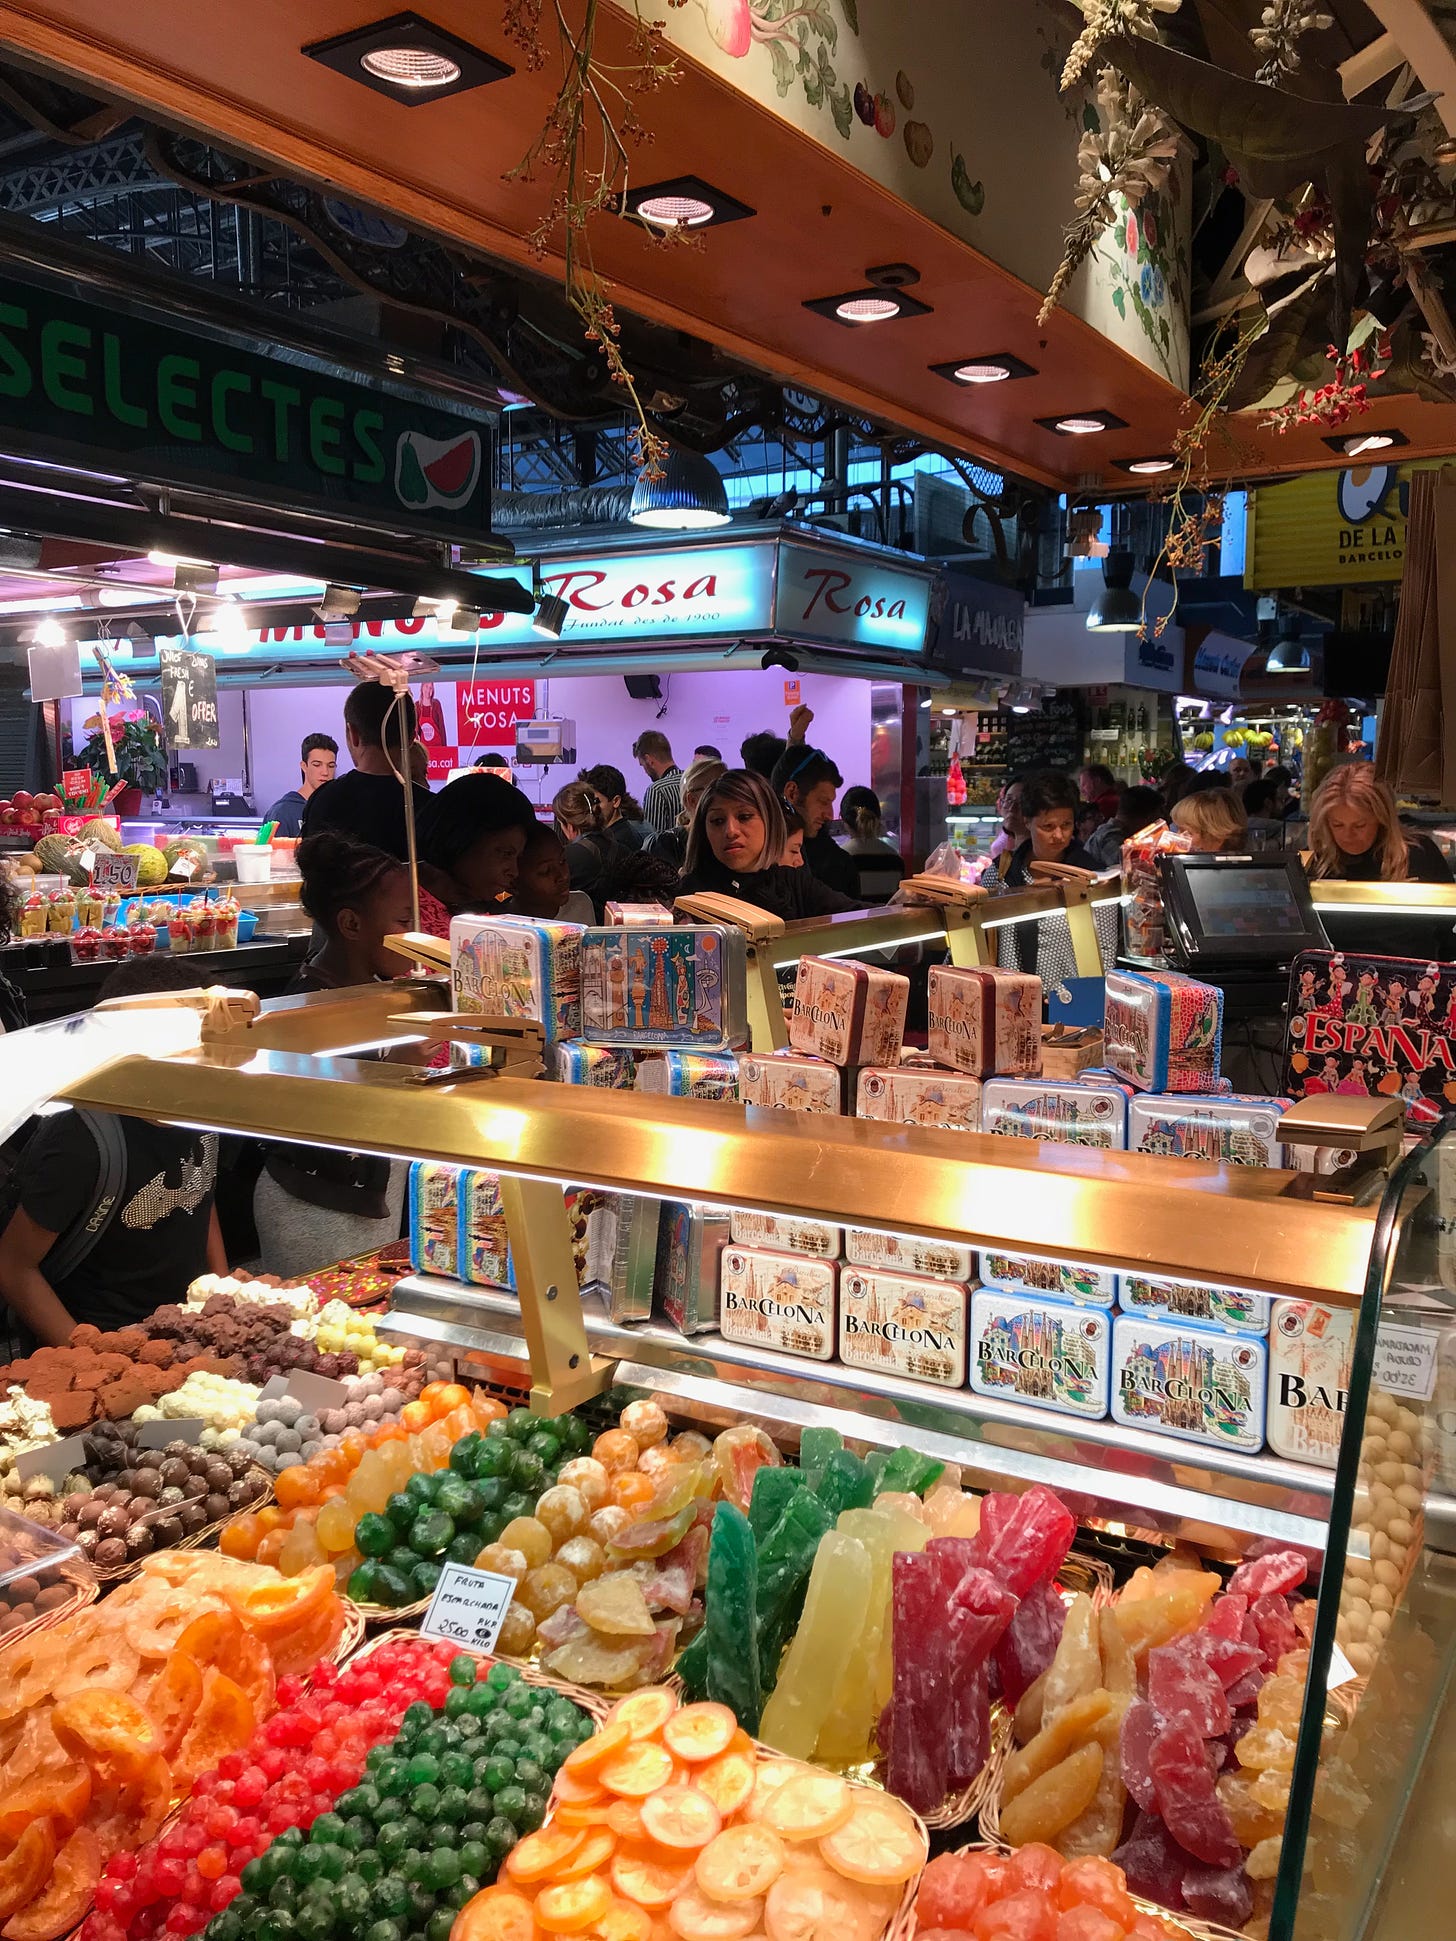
692	1665
731	1625
784	1564
908	1470
773	1488
875	1463
816	1446
845	1483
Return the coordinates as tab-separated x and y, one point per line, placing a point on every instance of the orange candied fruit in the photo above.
270	1517
416	1416
487	1409
441	1397
632	1489
295	1487
241	1537
271	1548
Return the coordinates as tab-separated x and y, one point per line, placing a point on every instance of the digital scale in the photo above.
540	743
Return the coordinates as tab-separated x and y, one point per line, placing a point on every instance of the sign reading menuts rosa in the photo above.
172	404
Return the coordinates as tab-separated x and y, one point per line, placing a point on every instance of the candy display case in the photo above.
1379	1528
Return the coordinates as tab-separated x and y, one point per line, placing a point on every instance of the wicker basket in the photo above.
1177	1925
199	1538
594	1704
82	1594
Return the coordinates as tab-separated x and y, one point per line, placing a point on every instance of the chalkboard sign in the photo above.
1048	737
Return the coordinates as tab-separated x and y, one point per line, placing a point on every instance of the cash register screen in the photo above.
1246	903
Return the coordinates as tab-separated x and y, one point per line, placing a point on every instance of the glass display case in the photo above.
1367	1845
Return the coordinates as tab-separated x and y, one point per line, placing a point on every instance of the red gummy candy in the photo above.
1219	1894
1181	1685
1246	1691
1229	1659
1030	1641
1275	1627
1139	1729
917	1754
1280	1570
1226	1616
1087	1924
1026	1543
1153	1862
1204	1829
952	1891
979	1611
1022	1916
1183	1780
1036	1866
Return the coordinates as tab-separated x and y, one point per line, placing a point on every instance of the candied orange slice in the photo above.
596	1751
173	1700
495	1914
696	1918
581	1814
650	1877
540	1854
809	1805
67	1894
696	1733
813	1903
24	1869
624	1818
728	1781
644	1713
879	1843
62	1796
680	1818
105	1728
590	1857
638	1771
741	1864
577	1786
275	1608
623	1922
131	1813
574	1906
223	1722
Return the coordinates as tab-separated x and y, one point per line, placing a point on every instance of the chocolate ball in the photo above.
166	1530
216	1505
138	1540
115	1522
110	1553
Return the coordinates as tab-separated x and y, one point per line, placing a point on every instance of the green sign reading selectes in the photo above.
173	405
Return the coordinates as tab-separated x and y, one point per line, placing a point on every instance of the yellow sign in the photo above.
1329	528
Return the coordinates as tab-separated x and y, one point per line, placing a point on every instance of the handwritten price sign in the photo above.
468	1607
115	873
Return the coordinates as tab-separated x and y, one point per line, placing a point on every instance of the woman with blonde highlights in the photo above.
1215	820
1356	833
734	845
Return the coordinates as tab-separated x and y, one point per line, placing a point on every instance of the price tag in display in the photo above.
184	867
468	1607
316	1392
115	872
1341	1671
275	1386
76	784
1405	1361
156	1435
88	859
53	1459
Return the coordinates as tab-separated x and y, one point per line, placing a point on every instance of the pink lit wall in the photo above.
719	708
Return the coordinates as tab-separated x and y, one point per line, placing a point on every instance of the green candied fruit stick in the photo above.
908	1470
845	1484
692	1665
773	1490
731	1624
784	1564
875	1462
816	1446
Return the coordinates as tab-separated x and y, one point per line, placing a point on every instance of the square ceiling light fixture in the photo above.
995	369
1081	424
1149	467
1366	444
686	202
409	59
886	298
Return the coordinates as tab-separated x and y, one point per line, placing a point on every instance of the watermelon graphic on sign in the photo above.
436	471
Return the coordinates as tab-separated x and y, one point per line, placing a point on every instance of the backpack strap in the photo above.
77	1244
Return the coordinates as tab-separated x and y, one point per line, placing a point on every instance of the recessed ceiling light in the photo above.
686	202
409	59
1081	424
1362	444
995	369
886	297
867	309
1146	467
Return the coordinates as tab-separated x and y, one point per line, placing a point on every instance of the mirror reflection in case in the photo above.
1238	910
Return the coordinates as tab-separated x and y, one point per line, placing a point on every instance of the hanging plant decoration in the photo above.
1104	20
583	146
1282	26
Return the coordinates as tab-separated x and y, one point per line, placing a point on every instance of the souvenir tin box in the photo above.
1363	1026
851	1014
434	1218
903	1324
1192	1382
916	1095
781	1301
511	967
1226	1128
690	1074
985	1022
622	1256
635	916
484	1256
1066	1112
1215	1307
683	985
612	1068
1062	1280
1163	1031
790	1081
1049	1353
785	1233
689	1242
1310	1346
904	1253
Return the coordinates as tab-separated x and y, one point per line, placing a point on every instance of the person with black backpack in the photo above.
114	1216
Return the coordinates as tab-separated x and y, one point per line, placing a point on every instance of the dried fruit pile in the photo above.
293	1771
111	1715
1032	1893
668	1821
1184	1701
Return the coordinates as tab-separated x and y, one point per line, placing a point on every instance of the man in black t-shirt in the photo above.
368	803
162	1232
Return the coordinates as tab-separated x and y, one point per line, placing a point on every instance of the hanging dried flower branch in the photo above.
1128	154
1283	24
1346	395
583	146
1105	20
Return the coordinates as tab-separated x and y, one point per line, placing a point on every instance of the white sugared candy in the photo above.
340	1329
282	1434
217	1400
300	1302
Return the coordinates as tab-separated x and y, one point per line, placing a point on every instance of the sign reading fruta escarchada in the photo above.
175	404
